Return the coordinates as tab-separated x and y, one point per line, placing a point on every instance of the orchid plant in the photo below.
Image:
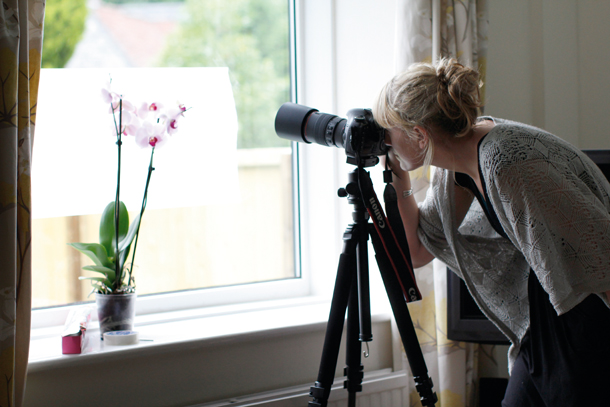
152	126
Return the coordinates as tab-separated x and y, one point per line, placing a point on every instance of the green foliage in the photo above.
104	255
141	1
251	38
107	227
64	24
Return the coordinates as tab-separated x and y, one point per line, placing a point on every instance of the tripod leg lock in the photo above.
320	395
353	383
423	385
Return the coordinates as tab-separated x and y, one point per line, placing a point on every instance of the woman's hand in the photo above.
409	211
390	161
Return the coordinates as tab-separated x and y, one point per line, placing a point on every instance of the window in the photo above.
233	220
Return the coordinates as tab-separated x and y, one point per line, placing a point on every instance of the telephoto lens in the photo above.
361	137
305	124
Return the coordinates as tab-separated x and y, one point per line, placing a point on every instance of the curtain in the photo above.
20	56
427	30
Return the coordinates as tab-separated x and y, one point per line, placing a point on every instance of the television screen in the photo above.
602	159
465	322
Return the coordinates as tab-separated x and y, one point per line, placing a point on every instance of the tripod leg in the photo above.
364	301
346	279
423	383
354	370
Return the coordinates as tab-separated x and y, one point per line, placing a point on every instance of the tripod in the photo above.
351	294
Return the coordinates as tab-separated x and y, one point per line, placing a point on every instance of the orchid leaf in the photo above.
100	279
123	256
107	227
99	287
125	244
95	252
108	272
99	284
133	231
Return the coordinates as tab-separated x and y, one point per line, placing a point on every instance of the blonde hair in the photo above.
441	97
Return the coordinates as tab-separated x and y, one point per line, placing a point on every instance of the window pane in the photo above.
235	238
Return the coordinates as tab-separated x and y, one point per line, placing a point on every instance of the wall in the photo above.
192	372
547	66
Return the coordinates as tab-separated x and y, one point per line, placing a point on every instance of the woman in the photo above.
533	248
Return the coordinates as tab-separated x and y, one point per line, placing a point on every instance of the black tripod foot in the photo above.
423	385
319	394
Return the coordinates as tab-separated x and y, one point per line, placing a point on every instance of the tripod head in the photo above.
354	197
388	235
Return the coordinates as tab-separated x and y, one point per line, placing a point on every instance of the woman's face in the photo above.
405	151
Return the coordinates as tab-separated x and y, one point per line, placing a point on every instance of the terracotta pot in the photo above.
116	312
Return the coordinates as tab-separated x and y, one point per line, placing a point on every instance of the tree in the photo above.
64	24
250	37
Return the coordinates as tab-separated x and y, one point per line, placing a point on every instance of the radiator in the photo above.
381	388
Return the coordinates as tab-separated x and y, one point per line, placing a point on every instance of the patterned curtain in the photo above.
427	30
21	24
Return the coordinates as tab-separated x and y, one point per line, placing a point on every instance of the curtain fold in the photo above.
457	29
21	27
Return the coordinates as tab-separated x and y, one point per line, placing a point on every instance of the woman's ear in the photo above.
422	136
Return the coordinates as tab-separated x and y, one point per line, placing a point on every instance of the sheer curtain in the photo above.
427	30
20	56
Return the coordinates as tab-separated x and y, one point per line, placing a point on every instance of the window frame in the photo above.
210	360
317	237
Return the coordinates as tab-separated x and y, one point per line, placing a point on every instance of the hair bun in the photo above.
457	95
443	79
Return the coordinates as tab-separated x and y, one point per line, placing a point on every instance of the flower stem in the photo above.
117	206
144	200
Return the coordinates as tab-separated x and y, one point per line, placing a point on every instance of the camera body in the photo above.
361	137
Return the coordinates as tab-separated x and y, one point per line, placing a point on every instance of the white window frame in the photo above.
319	241
332	79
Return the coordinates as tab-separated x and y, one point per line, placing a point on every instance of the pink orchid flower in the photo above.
172	126
171	119
146	108
142	111
127	117
153	107
151	135
114	99
107	95
132	126
127	106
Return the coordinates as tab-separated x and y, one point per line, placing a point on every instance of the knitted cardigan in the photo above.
553	203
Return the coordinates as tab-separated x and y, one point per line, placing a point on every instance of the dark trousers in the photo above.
564	360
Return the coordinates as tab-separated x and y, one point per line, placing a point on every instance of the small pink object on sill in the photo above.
73	336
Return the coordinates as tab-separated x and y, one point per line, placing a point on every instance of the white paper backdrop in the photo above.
74	168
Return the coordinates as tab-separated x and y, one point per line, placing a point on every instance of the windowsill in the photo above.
181	328
284	335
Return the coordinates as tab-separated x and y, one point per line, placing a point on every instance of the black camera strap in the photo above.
390	236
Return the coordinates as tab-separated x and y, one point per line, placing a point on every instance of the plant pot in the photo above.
116	312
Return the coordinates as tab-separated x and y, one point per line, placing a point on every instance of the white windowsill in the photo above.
200	327
206	352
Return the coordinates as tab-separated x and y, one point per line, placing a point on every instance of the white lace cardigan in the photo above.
553	203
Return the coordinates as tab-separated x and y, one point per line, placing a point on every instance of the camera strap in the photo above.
390	236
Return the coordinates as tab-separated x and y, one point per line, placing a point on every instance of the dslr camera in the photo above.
361	137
